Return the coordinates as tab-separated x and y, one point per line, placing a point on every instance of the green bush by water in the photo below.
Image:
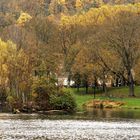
63	101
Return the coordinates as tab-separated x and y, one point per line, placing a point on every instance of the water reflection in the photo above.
91	125
18	128
114	113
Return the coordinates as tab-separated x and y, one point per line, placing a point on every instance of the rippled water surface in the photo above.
36	127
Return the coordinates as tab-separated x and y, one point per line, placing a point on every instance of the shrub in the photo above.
10	99
48	96
63	101
3	94
13	103
42	89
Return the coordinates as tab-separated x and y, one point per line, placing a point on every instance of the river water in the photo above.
88	126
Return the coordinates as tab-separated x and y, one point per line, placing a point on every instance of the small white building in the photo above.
64	81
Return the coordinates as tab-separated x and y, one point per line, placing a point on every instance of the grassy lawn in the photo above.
80	96
117	94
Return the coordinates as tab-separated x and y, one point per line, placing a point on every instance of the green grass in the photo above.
80	97
132	103
123	91
117	94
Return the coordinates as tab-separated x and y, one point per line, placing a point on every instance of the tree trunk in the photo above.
123	81
117	82
23	98
94	86
86	88
94	90
131	84
69	79
104	83
104	86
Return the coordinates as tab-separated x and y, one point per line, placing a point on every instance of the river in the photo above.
88	126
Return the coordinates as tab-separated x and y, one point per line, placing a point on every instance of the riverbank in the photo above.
119	94
113	96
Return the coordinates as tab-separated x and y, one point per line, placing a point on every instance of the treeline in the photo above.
108	46
35	49
49	7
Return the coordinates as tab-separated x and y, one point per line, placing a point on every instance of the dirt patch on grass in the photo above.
103	104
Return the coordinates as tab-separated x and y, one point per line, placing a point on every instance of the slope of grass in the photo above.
80	96
123	91
118	94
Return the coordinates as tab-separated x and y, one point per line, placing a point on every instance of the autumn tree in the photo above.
122	36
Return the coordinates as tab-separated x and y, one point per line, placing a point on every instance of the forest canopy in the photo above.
87	41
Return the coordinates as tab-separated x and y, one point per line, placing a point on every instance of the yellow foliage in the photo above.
5	68
98	15
24	17
78	4
61	2
3	45
5	48
66	20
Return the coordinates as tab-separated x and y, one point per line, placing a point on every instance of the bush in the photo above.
10	99
63	101
48	96
13	103
3	94
42	89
